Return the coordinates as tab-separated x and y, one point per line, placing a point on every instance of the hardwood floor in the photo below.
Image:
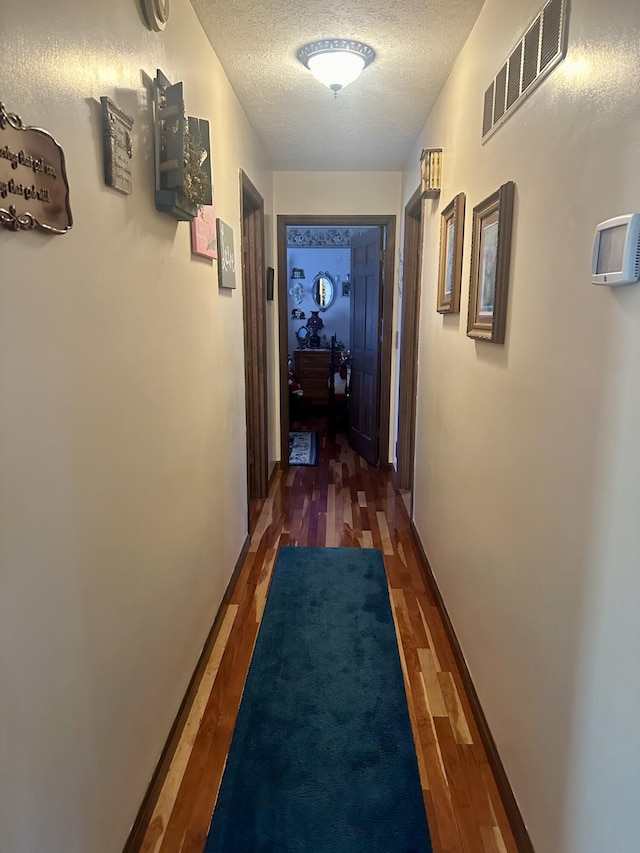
342	502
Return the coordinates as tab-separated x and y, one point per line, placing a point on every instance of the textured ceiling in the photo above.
373	123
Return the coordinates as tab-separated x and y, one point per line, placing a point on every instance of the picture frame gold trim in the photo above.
490	259
451	247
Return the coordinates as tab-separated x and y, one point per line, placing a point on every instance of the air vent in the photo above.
531	48
515	66
499	103
488	110
551	32
536	54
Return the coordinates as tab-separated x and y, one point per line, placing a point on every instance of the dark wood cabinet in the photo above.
312	373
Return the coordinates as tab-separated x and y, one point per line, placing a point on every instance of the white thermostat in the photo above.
616	251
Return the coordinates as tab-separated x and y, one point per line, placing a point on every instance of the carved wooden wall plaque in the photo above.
33	180
118	148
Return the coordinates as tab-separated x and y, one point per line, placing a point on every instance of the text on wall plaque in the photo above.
33	183
118	148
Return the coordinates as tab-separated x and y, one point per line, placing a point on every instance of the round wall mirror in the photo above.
323	290
303	336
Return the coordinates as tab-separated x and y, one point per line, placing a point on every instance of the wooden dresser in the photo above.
311	367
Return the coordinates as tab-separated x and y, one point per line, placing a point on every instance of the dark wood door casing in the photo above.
388	224
255	337
408	368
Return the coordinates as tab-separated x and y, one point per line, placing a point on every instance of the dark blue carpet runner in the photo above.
322	758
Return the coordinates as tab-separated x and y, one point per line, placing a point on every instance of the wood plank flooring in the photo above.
342	502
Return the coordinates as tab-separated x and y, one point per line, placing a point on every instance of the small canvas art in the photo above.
226	255
203	232
488	254
448	282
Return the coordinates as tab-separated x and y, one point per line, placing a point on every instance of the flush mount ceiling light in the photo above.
336	62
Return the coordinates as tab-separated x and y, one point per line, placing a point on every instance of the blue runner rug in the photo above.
322	758
304	448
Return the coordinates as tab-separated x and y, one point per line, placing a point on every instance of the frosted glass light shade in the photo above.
336	62
336	69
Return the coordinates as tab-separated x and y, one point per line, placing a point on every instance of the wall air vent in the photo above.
536	54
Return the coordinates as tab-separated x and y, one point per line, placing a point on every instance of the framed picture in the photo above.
226	255
203	232
490	256
450	269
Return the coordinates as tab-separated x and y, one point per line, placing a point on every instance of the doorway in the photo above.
408	370
375	315
255	337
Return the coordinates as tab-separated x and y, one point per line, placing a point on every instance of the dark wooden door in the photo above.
364	402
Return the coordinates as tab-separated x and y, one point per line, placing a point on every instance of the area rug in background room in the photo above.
322	758
303	448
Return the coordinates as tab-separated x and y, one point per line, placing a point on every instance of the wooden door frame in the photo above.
409	330
255	339
386	283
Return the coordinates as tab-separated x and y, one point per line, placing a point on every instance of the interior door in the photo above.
364	402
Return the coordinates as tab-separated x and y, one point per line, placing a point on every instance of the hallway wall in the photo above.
527	481
123	504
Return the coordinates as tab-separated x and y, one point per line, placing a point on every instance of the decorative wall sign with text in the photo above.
226	255
33	179
118	148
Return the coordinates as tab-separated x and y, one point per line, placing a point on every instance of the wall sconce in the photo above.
430	172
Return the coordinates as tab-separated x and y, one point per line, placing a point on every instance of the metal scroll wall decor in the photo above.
33	179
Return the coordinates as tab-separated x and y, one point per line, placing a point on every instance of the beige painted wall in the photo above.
347	194
528	471
332	193
123	502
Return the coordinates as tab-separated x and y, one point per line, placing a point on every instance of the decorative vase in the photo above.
314	324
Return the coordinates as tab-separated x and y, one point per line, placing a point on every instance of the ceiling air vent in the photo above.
535	55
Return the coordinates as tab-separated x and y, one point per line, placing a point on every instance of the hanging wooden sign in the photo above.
33	181
118	148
